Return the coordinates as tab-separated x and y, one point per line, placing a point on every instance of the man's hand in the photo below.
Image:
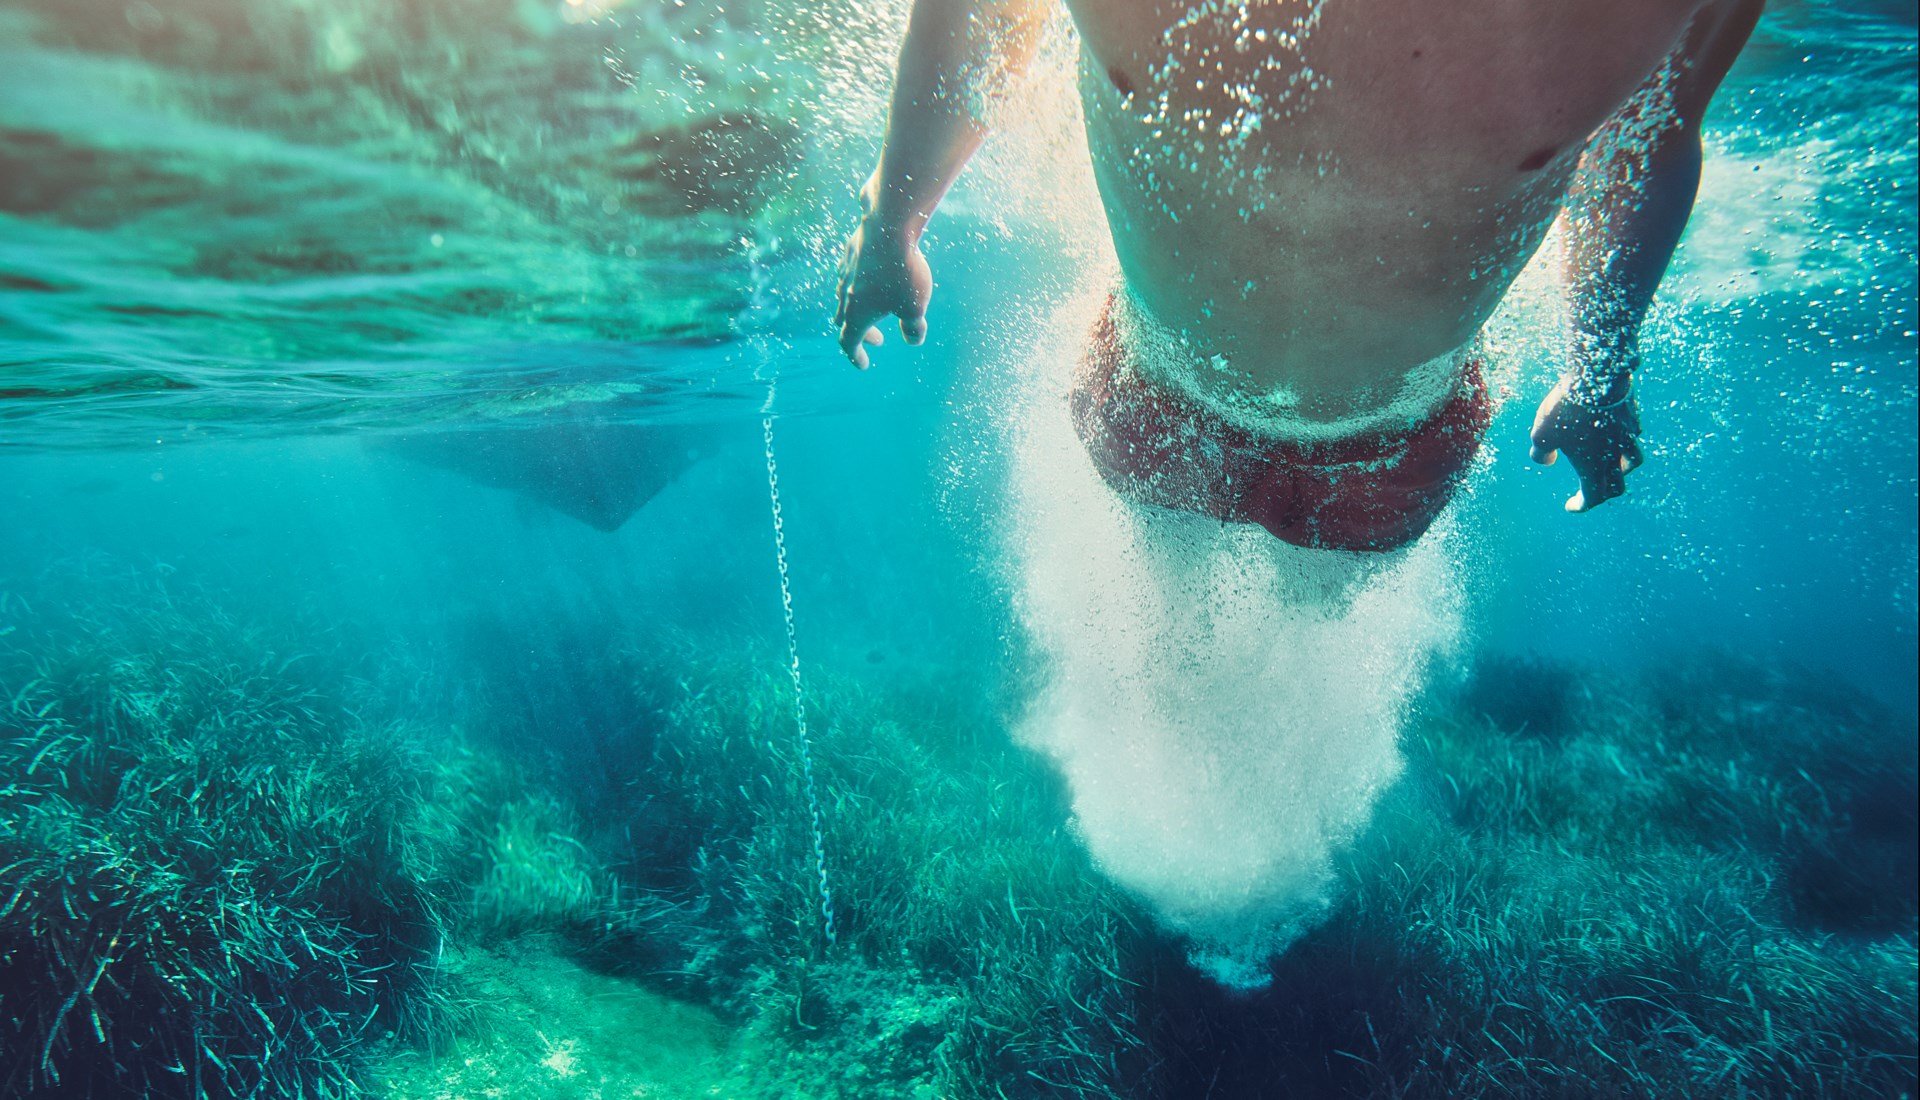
1600	434
882	272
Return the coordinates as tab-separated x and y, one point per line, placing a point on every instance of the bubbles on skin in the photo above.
972	88
1636	130
1228	70
1617	157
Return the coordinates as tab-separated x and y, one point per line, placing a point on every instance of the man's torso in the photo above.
1322	196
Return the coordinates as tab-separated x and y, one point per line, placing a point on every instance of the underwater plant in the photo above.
232	866
1608	908
218	875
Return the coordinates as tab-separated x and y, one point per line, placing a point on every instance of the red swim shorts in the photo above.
1377	490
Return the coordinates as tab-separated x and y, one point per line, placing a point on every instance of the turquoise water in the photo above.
435	339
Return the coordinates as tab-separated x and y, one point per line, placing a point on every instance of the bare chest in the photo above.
1468	93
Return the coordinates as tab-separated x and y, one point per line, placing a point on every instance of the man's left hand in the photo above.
1600	436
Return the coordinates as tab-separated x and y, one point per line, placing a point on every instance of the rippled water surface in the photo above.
256	217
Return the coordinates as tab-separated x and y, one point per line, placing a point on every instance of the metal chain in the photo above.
802	737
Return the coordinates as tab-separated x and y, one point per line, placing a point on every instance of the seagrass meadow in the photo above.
250	857
464	632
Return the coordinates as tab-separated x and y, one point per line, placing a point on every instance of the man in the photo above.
1316	205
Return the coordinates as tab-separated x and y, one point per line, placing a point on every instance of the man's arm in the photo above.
959	55
1625	213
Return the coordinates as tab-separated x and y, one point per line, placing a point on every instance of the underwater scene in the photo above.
467	631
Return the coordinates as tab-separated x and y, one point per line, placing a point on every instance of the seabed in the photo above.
247	858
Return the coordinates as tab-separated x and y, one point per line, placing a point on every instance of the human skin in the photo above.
1321	195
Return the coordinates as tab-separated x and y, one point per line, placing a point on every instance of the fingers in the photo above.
855	332
893	280
843	286
855	318
1604	476
1599	486
857	328
1543	448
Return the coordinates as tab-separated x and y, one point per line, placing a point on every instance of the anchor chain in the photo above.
801	734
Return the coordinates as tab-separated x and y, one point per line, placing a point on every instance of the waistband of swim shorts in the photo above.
1163	354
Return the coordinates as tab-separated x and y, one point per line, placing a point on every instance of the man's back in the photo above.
1325	195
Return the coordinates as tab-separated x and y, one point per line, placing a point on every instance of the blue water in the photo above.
269	271
246	257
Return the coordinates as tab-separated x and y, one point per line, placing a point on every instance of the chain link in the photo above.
802	736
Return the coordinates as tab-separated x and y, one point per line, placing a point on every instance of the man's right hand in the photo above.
882	272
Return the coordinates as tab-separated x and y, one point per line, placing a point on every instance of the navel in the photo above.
1538	159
